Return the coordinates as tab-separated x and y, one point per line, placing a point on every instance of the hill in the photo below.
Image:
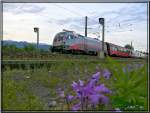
21	44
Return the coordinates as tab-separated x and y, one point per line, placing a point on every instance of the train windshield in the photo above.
59	37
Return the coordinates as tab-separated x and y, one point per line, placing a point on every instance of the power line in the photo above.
77	14
73	11
19	8
67	9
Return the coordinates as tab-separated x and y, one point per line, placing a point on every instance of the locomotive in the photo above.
71	42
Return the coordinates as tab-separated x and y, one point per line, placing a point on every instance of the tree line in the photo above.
26	48
10	51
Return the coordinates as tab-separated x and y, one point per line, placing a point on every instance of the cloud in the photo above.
33	9
19	8
124	16
131	13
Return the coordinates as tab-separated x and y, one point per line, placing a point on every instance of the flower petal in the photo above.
102	89
94	99
70	97
75	86
81	82
96	75
104	99
106	73
76	107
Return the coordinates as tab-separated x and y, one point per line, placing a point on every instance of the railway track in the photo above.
69	60
33	64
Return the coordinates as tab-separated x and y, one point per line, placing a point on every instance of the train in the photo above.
72	42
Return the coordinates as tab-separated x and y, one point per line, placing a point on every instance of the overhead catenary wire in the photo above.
74	12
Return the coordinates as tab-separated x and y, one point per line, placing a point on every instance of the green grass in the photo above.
43	56
34	89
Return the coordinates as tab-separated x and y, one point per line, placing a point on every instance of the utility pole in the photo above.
86	26
131	44
101	21
36	29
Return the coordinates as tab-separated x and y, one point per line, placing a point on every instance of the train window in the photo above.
60	36
114	48
70	37
75	37
58	39
122	50
127	50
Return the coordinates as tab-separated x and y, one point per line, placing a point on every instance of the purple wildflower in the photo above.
89	93
70	97
60	92
96	76
86	91
75	86
94	79
103	99
94	99
102	89
81	83
91	83
98	98
76	107
106	73
124	69
129	68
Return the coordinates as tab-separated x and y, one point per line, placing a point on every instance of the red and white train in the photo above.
71	42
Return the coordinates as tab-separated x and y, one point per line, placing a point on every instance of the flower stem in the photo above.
67	103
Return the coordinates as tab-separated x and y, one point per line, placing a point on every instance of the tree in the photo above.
29	48
128	46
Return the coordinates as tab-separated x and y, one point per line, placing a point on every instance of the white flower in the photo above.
118	110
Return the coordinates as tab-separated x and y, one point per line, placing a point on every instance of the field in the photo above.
50	86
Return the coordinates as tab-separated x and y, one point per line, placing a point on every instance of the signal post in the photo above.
101	53
36	30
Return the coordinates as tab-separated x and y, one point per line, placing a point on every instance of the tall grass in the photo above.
22	88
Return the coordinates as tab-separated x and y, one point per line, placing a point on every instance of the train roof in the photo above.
67	31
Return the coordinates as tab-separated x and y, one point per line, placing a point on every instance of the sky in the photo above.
124	22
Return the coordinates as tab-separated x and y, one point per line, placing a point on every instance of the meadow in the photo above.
119	86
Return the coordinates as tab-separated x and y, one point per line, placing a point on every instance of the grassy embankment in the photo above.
35	89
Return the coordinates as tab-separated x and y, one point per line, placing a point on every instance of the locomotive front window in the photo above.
59	37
